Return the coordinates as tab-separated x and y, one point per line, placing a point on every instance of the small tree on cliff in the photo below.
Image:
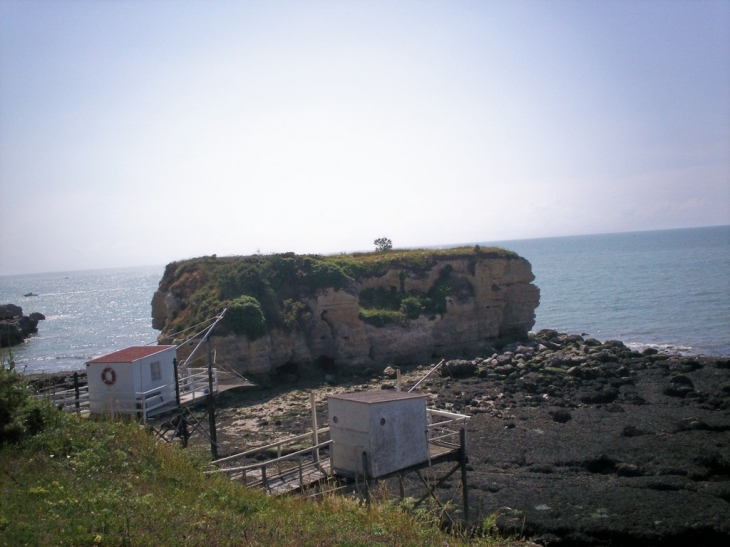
383	244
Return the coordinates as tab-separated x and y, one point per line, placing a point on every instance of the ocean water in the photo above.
667	289
88	314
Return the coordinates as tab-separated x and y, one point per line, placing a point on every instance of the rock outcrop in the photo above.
16	327
487	297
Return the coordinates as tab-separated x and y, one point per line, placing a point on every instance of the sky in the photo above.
142	132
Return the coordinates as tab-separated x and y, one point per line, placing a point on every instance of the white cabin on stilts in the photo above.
138	380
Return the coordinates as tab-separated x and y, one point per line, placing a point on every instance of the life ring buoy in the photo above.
109	376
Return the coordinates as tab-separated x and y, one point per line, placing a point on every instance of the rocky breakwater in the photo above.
16	327
363	310
577	442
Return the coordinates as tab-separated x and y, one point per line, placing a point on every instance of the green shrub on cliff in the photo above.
296	314
244	316
380	317
380	306
411	307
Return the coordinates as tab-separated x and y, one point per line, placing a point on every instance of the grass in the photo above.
362	265
100	483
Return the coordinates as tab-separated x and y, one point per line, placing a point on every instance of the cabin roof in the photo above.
377	396
129	355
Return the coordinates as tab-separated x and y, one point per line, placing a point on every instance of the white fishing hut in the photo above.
135	380
389	427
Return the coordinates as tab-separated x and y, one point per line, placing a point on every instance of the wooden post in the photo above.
315	436
77	394
464	486
177	381
397	383
365	477
263	478
301	475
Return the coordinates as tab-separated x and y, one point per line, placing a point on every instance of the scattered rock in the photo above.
679	386
390	372
561	416
632	431
458	368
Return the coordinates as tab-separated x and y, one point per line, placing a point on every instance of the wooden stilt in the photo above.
464	485
365	465
315	436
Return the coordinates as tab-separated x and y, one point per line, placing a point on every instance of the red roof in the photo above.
129	355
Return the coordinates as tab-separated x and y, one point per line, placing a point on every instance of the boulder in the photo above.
458	368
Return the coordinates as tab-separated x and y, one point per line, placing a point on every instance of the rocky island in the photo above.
16	327
359	310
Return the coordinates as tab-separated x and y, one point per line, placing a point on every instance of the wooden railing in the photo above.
196	383
294	463
75	399
153	399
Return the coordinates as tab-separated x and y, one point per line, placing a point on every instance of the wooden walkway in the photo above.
297	472
295	479
300	470
286	473
299	479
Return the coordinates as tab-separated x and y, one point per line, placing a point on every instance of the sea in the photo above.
667	289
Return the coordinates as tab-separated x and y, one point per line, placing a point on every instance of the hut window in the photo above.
155	370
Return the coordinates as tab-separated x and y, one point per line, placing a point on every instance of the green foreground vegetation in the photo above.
269	291
66	480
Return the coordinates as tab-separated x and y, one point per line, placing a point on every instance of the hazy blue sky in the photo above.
141	132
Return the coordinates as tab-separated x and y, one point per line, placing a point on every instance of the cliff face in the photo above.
484	297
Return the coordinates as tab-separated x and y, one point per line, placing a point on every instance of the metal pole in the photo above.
427	375
211	405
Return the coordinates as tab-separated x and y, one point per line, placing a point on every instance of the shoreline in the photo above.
664	348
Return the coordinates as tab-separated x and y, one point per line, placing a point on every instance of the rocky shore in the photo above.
572	441
577	442
16	327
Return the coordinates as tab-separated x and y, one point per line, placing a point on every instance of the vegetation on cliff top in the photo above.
93	482
277	286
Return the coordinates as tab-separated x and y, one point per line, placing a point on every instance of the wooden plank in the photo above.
289	480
